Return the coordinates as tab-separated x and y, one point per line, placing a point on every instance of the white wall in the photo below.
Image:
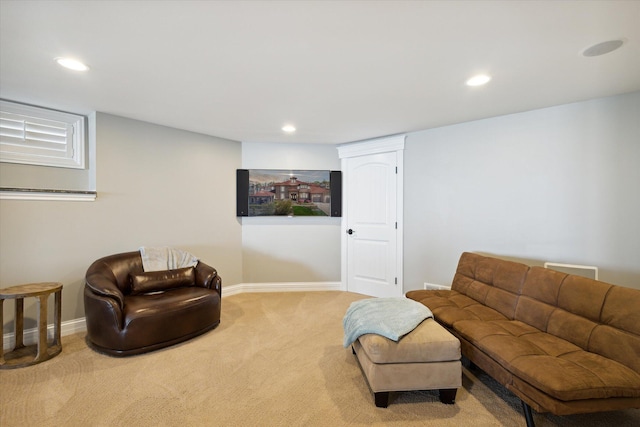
277	249
156	186
558	184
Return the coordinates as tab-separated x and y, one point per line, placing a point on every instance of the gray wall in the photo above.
48	178
559	184
156	186
277	249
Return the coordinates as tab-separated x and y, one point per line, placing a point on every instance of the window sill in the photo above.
41	194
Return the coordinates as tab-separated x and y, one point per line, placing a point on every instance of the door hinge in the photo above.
396	225
396	280
396	170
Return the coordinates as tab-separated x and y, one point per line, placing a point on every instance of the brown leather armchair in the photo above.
130	312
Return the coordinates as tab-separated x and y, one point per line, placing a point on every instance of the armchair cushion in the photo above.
157	281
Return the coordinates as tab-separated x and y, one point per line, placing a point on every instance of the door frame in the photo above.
363	148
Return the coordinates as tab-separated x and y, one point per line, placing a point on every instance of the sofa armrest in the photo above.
207	277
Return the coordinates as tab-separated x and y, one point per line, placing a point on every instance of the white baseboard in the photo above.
281	287
30	336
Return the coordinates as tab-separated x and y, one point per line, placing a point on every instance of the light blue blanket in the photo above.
390	317
165	258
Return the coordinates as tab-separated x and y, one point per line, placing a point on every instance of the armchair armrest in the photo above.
101	285
207	277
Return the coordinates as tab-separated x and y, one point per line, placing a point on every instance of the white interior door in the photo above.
372	225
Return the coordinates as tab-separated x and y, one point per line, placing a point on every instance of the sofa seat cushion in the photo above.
551	364
167	303
155	318
449	306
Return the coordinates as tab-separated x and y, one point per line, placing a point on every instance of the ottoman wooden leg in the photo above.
448	395
382	399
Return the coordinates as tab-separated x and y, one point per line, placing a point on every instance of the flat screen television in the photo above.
292	193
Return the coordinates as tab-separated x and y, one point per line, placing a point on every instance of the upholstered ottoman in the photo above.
427	358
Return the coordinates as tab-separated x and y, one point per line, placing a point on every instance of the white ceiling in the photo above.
340	71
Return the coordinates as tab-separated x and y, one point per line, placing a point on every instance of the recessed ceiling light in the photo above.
289	128
478	80
72	64
602	48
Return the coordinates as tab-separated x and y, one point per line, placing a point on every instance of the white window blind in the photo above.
38	136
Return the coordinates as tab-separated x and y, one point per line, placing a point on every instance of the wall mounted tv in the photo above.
280	192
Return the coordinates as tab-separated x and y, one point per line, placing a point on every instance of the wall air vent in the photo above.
587	271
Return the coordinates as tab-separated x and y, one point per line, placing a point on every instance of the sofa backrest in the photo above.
599	317
618	335
490	281
596	316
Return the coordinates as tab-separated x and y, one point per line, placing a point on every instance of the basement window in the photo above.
39	136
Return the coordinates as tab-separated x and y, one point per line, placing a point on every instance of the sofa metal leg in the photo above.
448	395
464	360
528	415
381	399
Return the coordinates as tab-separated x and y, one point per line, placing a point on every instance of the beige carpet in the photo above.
275	360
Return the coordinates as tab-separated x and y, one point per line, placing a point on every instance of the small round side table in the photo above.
22	355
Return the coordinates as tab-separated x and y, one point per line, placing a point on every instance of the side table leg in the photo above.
2	323
19	325
57	318
42	328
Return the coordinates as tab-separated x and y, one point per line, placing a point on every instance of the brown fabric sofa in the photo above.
129	311
562	343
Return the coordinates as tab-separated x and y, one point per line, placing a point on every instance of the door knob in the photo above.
349	231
